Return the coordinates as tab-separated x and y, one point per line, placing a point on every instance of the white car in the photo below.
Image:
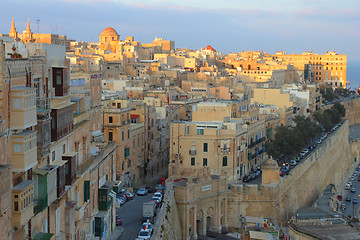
144	234
347	186
147	227
158	195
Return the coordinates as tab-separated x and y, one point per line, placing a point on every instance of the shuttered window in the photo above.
86	190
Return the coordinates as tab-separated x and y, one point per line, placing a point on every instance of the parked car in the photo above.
353	190
348	199
160	187
144	234
150	189
146	226
142	192
118	220
156	201
352	178
355	200
347	186
293	163
339	197
252	176
354	174
127	194
158	195
246	178
343	206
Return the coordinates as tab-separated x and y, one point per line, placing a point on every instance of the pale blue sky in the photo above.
228	25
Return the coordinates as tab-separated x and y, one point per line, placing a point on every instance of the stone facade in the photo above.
205	203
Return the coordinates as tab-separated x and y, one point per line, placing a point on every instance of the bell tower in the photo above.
13	33
27	35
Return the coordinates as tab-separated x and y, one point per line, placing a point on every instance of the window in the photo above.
53	156
16	206
110	136
86	190
17	147
128	133
192	161
118	105
204	161
110	119
205	147
224	161
17	103
199	131
122	135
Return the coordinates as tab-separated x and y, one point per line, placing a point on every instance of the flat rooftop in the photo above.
331	232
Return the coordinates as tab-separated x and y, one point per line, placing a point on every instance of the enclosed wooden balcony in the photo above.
5	188
70	167
24	150
62	122
60	177
23	203
43	129
23	107
45	187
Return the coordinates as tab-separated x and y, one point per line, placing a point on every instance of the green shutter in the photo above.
99	227
86	190
205	147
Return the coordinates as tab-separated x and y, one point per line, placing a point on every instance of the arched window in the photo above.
44	226
224	161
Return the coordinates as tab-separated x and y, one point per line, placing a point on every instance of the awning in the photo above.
43	236
134	116
58	162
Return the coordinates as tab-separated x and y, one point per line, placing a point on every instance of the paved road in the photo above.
349	206
131	214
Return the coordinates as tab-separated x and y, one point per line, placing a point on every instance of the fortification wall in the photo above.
167	225
330	163
352	107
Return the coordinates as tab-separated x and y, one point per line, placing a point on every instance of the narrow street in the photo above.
131	214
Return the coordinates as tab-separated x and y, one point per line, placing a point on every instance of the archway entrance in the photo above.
208	224
199	227
199	223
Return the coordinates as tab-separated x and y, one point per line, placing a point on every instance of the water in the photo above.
353	74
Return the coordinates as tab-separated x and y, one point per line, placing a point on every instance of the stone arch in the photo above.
199	222
44	225
209	219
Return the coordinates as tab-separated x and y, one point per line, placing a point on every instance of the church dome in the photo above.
109	31
208	47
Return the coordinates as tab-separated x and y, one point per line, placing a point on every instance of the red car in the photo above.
118	220
339	197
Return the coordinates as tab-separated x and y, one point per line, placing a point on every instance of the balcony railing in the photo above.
252	144
192	152
42	105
